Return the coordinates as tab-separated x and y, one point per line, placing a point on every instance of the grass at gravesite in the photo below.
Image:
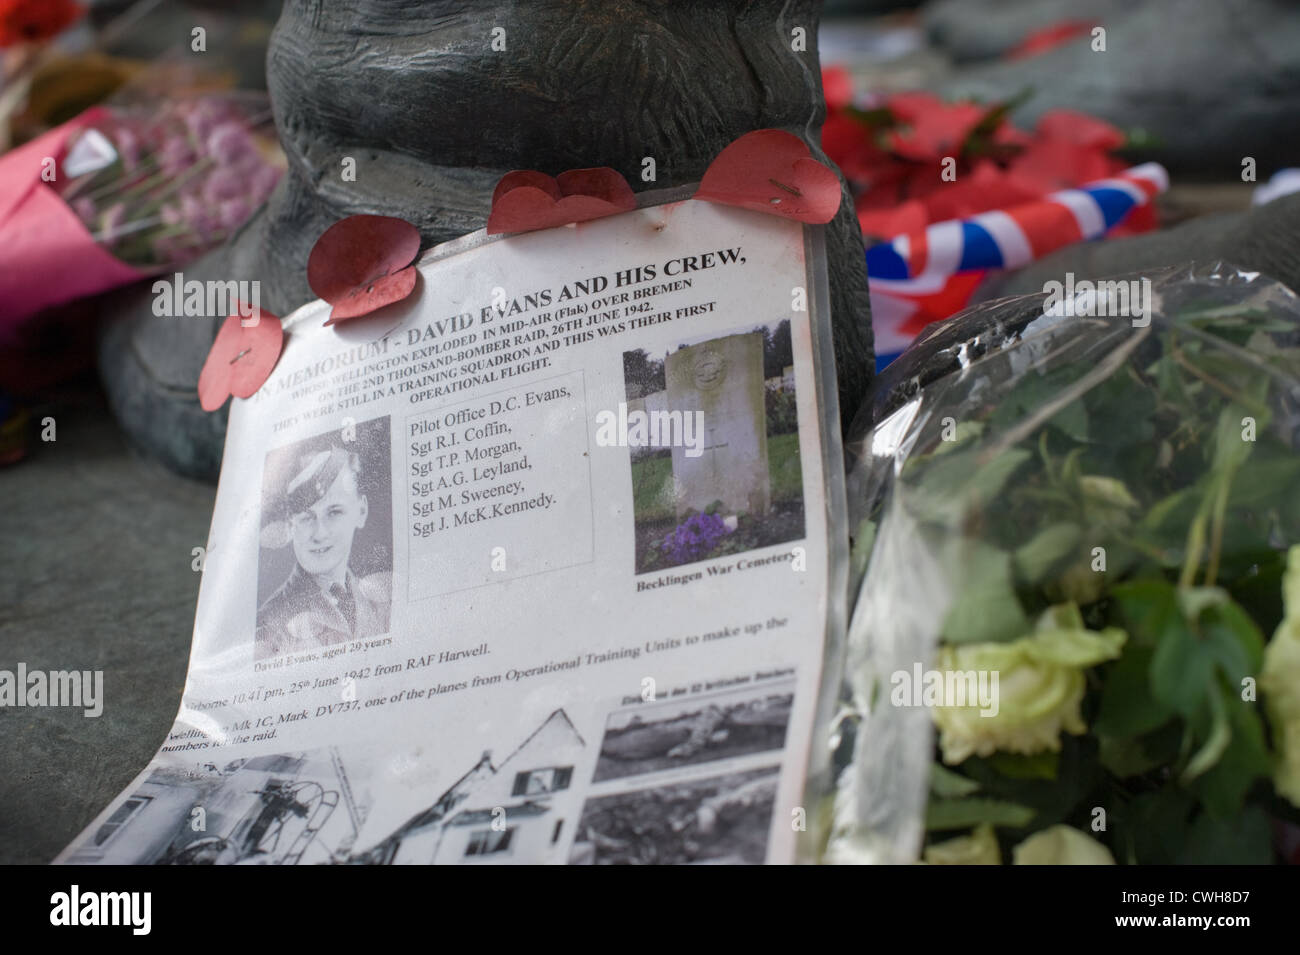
655	515
783	464
652	488
652	479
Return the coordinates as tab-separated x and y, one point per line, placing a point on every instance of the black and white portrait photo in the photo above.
326	556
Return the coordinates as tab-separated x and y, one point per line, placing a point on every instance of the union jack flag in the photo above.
926	276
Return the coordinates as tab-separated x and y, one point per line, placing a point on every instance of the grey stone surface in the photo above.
95	574
412	90
1210	82
982	29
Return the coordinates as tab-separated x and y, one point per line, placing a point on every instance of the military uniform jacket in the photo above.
300	616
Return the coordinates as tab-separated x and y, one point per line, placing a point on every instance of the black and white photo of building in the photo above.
495	813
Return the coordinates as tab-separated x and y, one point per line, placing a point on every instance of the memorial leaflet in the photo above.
535	566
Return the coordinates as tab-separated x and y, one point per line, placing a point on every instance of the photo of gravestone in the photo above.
713	437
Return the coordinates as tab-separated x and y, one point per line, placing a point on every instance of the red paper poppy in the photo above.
1070	126
935	129
837	87
526	200
33	21
1007	135
892	183
362	263
241	358
1051	164
985	187
772	171
847	142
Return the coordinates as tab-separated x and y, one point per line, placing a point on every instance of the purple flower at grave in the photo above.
694	538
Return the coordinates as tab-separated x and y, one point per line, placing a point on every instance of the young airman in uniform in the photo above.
323	602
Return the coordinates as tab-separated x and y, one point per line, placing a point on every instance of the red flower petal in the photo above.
923	180
365	299
882	224
909	107
526	200
527	177
847	142
1051	164
1008	135
888	185
1081	129
241	358
351	256
600	182
985	187
837	87
935	129
772	171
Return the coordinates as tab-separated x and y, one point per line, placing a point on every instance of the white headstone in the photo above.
723	379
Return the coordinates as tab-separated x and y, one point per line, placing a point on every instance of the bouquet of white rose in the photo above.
1077	628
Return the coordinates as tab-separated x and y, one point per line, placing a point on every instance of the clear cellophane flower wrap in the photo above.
1102	512
129	190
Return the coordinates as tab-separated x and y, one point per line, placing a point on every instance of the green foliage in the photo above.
986	609
652	479
945	814
785	468
652	488
1161	499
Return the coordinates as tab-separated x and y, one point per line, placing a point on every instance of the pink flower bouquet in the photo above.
120	193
